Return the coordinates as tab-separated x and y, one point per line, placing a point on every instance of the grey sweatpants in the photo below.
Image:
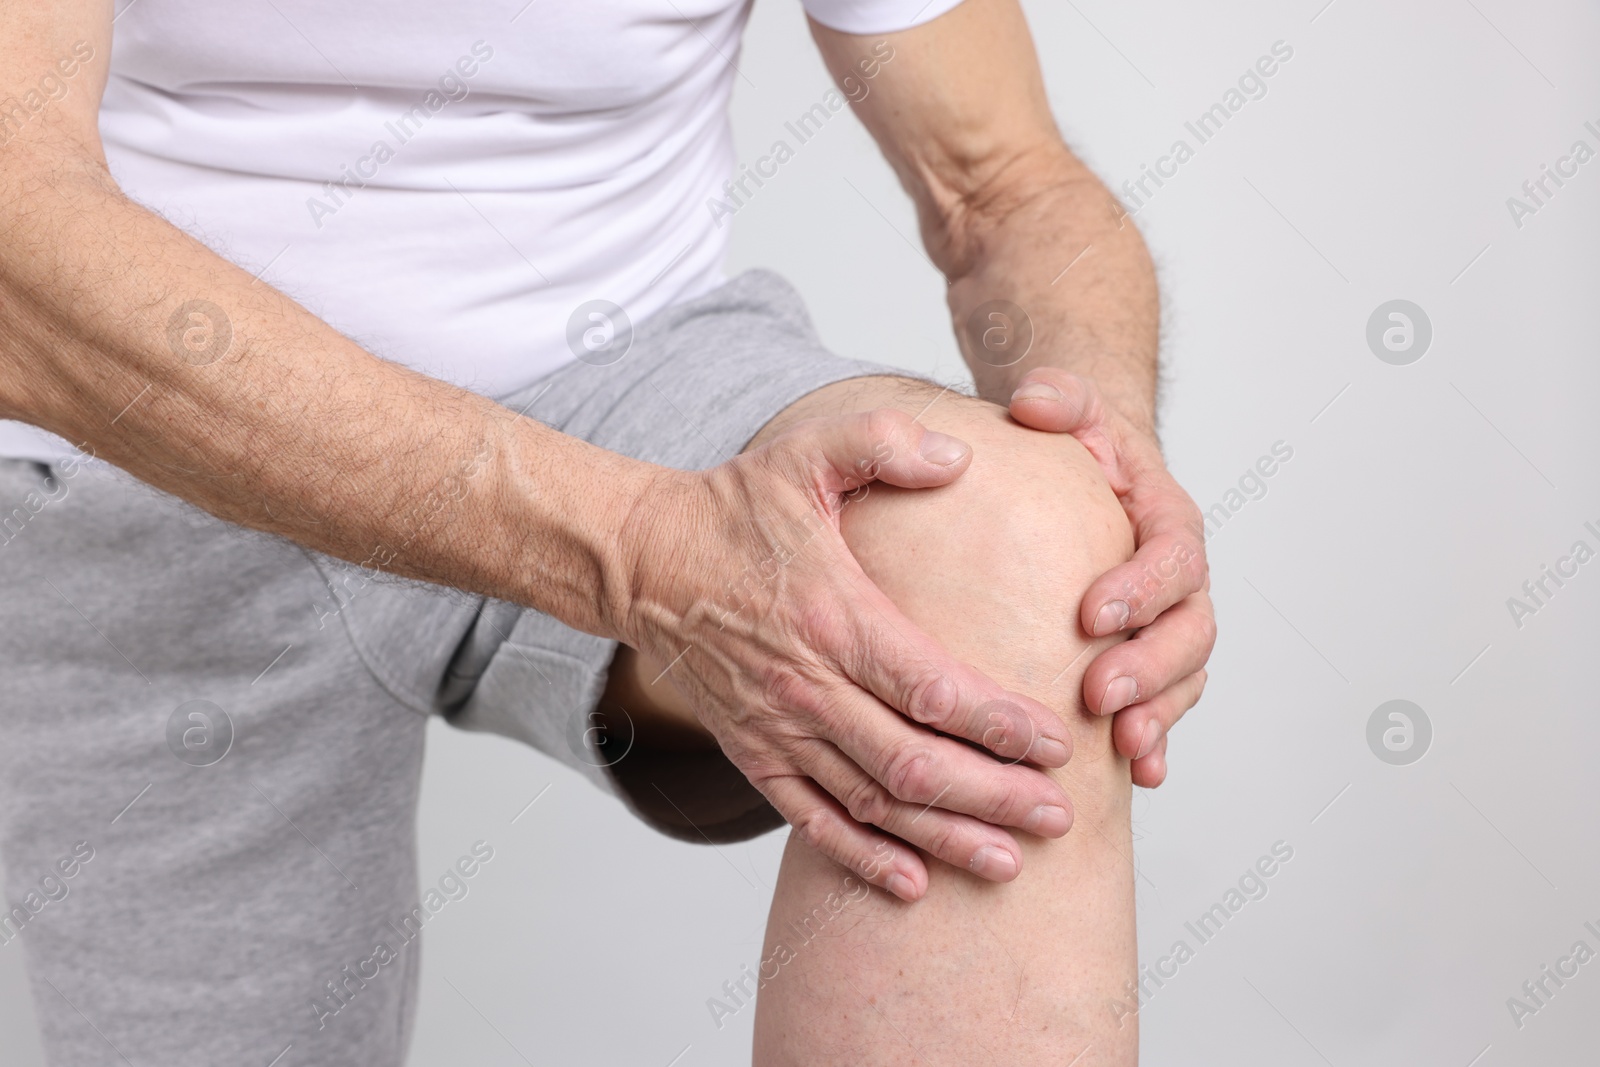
211	739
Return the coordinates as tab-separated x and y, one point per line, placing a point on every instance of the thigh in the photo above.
206	802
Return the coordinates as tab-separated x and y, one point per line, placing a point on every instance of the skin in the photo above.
978	973
835	689
1017	974
1007	212
838	689
960	112
294	429
1034	566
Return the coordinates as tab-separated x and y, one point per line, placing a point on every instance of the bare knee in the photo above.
994	566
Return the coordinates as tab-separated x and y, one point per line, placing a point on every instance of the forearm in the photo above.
288	427
1006	211
1052	240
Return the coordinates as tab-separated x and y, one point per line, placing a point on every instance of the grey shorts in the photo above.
213	738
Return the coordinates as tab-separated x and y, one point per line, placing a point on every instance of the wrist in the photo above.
1005	339
650	512
573	520
1057	278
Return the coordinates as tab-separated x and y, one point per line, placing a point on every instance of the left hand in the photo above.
1162	593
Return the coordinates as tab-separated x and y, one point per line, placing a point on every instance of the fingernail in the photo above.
1112	617
1152	734
995	864
1048	820
901	886
1037	391
1049	752
941	449
1119	694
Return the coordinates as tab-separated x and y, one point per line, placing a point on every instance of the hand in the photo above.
1150	680
817	688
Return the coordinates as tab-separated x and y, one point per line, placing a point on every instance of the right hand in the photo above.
817	688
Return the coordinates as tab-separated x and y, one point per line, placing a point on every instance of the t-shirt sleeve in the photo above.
876	16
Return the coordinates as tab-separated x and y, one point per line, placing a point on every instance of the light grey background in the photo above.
1377	566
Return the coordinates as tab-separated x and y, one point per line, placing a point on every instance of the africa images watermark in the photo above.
1537	592
736	190
450	490
1537	192
199	332
451	88
1252	485
1252	85
53	490
1153	977
1537	992
17	111
452	886
52	888
798	934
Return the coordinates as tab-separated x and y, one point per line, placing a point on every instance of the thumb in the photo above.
1056	401
848	451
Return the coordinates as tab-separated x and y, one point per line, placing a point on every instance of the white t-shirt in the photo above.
445	183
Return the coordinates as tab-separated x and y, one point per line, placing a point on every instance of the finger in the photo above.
1168	529
921	768
846	452
1056	401
1150	772
1170	564
911	672
891	657
958	840
1139	730
1169	649
1061	402
826	826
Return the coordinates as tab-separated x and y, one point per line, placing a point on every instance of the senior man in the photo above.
370	362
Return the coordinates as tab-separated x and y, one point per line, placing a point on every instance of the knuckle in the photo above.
1005	726
760	767
812	824
880	860
931	698
819	628
867	802
910	772
1137	587
942	839
788	689
885	424
1194	521
1000	801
